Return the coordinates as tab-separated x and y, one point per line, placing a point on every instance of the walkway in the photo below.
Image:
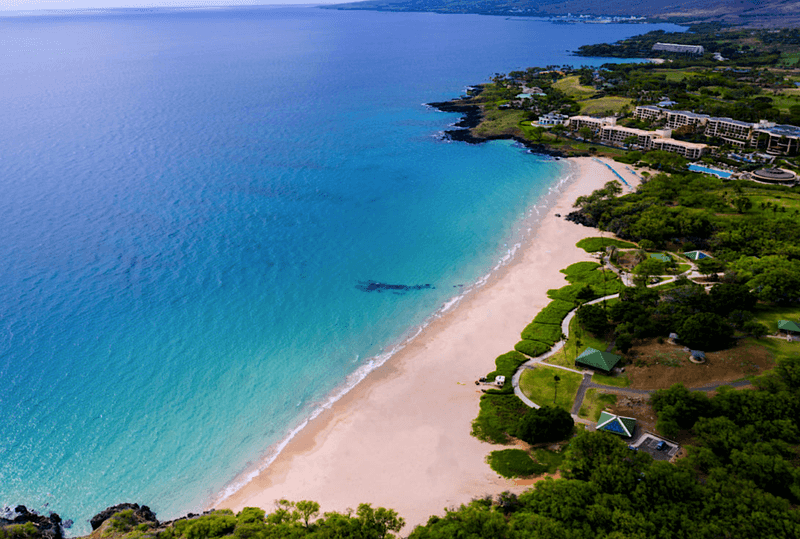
587	383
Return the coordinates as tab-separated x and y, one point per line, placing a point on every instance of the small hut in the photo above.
697	356
673	338
696	255
621	426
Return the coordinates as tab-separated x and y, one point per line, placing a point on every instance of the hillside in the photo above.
760	13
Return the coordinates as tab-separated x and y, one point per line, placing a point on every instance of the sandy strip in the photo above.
401	438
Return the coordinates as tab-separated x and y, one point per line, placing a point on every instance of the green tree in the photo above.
377	523
706	331
593	318
545	424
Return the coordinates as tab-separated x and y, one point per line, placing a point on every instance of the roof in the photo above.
697	255
781	130
622	426
661	256
697	353
786	325
599	360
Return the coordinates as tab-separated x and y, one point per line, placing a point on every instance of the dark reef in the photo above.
373	286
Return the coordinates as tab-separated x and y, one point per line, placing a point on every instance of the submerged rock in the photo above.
374	286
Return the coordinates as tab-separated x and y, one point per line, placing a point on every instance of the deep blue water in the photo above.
188	201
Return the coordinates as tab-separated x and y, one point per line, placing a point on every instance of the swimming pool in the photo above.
714	171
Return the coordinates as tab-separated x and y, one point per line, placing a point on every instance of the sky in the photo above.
26	5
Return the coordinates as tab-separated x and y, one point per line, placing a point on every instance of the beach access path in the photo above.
401	439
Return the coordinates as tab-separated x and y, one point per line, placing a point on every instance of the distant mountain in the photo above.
762	13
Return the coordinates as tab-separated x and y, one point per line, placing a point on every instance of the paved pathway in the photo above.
587	383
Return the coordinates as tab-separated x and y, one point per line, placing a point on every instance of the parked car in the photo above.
662	446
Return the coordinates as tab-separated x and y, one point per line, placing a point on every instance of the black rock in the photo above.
48	527
143	513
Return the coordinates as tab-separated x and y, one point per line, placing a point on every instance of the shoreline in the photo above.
377	445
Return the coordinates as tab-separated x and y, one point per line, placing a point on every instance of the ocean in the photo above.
200	212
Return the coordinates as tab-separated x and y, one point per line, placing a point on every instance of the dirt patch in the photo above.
636	406
658	366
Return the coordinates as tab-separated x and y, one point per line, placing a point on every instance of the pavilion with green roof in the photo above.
788	326
697	255
615	424
595	359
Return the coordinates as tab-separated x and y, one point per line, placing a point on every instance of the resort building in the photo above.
649	112
689	150
553	118
617	135
595	124
679	118
682	49
732	131
776	139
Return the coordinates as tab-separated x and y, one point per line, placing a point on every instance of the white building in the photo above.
679	118
553	118
649	112
683	49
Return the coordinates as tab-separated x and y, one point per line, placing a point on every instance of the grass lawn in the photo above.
578	341
771	316
595	402
538	385
790	202
779	348
500	122
617	381
605	104
572	87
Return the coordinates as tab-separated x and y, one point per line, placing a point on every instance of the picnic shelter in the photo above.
621	426
595	359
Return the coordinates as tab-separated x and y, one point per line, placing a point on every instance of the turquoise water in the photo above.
191	203
714	171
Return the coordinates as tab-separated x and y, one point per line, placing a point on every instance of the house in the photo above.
696	255
595	359
621	426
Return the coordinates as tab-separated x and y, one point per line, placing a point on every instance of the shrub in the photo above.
537	331
497	418
514	463
593	245
554	312
506	365
545	424
532	348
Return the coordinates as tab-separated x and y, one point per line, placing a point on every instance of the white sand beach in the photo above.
401	439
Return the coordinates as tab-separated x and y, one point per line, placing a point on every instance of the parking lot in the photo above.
649	443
